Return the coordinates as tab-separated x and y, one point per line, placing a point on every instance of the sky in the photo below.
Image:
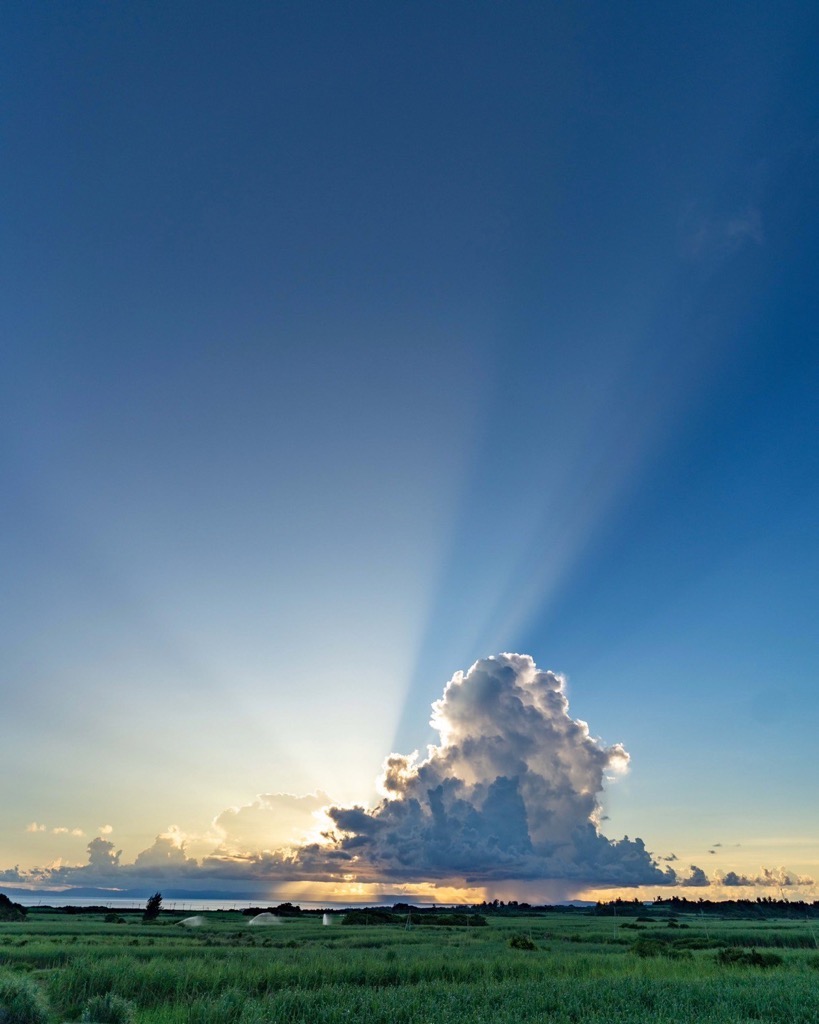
409	449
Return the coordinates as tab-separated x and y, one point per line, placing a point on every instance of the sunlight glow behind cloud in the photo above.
511	793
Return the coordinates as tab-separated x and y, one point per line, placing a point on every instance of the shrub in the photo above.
108	1009
646	947
21	1002
756	959
522	942
733	956
11	911
371	917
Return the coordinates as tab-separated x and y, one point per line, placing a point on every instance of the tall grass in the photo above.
21	1001
304	974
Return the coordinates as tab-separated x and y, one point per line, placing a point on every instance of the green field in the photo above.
581	968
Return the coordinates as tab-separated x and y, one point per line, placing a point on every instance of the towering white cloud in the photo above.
101	855
510	792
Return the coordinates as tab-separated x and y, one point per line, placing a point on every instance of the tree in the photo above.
11	911
152	908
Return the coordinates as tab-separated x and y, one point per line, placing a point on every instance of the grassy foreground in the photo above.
555	967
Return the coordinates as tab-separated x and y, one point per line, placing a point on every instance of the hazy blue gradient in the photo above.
346	344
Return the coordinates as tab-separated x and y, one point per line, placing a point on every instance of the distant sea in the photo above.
45	899
195	904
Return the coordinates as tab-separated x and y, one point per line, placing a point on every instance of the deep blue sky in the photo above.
347	343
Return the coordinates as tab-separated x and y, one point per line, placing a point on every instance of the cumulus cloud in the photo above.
768	878
105	830
165	858
167	850
34	826
510	792
697	877
101	855
781	878
732	878
271	821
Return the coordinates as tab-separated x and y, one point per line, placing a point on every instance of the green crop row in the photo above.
539	969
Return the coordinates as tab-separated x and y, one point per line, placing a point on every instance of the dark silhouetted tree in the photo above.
11	911
152	907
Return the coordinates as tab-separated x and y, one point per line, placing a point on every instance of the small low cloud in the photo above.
166	857
768	878
105	830
697	878
62	830
780	877
34	826
732	878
